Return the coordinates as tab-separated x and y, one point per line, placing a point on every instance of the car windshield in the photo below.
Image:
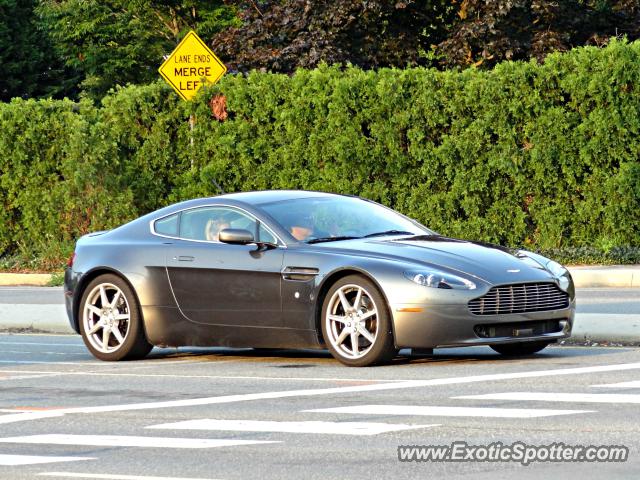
319	219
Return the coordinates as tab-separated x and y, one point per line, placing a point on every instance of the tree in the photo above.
111	42
29	66
280	36
489	31
283	35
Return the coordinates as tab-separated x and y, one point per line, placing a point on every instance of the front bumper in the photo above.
70	283
431	326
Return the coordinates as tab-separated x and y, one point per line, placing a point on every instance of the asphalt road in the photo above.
238	414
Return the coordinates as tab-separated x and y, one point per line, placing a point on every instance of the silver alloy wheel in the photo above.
106	318
352	321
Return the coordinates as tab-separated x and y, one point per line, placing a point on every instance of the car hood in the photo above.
493	264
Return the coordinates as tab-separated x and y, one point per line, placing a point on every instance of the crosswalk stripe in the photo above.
338	428
447	411
632	384
273	395
129	441
18	460
559	397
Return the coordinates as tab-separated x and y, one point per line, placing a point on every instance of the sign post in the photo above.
191	65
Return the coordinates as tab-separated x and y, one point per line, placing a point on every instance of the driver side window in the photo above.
206	223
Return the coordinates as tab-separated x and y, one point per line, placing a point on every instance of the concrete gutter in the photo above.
606	328
36	318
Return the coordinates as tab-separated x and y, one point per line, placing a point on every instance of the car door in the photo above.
221	284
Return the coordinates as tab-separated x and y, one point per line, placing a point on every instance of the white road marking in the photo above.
448	411
129	441
326	391
106	476
15	460
559	397
632	384
337	428
31	415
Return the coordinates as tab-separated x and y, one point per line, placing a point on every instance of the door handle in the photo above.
185	258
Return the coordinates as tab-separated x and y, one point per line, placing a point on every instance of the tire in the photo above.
115	331
520	348
354	309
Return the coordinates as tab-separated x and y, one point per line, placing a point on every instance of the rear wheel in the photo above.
356	324
110	321
520	348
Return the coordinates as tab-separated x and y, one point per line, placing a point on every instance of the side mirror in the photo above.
236	236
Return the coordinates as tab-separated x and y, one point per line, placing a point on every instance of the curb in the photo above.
619	276
24	279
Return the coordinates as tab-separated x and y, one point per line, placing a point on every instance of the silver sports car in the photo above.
297	269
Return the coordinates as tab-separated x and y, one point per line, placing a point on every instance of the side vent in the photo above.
299	274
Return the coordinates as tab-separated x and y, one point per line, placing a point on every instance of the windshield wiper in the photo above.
389	232
330	239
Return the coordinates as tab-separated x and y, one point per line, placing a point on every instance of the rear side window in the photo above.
167	225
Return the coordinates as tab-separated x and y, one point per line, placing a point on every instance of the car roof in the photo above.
268	196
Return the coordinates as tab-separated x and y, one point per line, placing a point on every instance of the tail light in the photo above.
72	259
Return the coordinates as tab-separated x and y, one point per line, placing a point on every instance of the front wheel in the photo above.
520	348
356	324
110	321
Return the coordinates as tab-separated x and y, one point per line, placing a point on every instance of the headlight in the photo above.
438	279
556	269
561	273
551	266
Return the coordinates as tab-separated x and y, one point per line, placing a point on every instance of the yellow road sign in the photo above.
191	65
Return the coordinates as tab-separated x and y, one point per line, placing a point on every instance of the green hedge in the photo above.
540	156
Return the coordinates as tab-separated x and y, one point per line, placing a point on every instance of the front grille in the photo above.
521	298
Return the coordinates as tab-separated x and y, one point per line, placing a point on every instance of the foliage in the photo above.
115	42
280	36
56	280
540	156
87	47
29	68
490	31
